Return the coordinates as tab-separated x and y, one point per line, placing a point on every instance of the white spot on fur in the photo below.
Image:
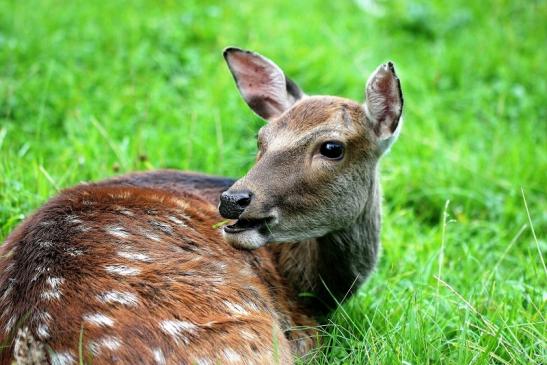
42	331
99	319
72	251
39	271
83	228
124	298
109	342
44	317
203	361
165	228
9	325
230	355
54	282
94	348
220	266
45	244
235	308
126	212
216	280
73	219
150	235
178	329
122	270
252	306
7	292
176	221
62	358
54	292
153	237
117	231
135	256
158	356
51	294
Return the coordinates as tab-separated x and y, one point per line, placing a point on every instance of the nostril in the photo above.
244	200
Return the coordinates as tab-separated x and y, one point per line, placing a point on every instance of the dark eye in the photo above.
332	149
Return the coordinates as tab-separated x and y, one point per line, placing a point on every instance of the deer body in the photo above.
132	270
143	276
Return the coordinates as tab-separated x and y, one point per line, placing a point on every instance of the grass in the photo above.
95	89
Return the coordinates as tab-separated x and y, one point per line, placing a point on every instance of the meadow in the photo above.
93	89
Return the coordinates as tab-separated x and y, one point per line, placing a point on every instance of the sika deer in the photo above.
131	270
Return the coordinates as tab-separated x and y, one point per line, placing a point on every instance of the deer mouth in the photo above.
242	225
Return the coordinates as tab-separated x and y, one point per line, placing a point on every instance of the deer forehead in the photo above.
336	117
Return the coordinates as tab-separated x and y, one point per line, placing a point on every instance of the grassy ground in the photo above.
94	89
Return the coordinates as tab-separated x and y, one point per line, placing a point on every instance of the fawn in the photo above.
134	270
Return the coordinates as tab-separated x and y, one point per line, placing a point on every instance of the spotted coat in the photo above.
132	271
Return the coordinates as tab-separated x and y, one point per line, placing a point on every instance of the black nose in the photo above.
232	204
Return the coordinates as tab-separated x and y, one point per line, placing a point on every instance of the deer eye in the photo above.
332	149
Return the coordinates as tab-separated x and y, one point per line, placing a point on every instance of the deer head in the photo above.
317	155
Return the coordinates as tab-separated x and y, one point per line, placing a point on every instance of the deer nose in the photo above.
232	204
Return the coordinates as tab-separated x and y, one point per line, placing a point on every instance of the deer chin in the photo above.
249	239
249	233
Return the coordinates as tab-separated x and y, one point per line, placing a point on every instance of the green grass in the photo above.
95	89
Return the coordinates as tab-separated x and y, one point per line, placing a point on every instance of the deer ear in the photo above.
261	82
384	105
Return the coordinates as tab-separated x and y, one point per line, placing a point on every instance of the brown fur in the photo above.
229	304
313	111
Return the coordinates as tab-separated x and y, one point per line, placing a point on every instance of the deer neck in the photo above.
332	267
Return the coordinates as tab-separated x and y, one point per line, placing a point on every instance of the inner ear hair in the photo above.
261	83
384	100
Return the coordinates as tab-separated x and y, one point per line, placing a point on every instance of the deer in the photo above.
136	270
